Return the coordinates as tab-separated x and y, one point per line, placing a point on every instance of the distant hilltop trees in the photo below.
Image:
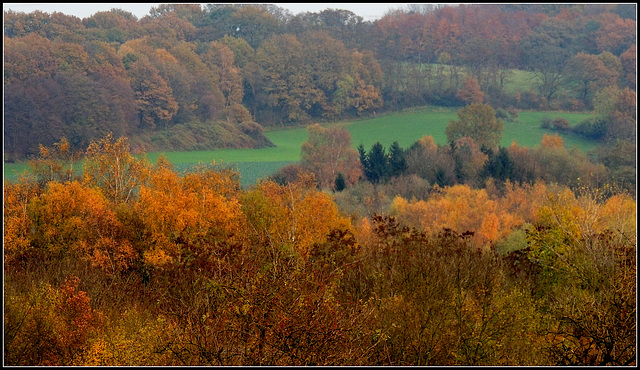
213	76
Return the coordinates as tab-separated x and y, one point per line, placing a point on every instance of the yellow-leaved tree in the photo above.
585	246
292	216
72	219
110	166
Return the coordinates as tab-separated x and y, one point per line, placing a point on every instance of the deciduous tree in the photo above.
471	92
110	166
154	98
290	218
479	122
615	34
590	74
327	153
628	60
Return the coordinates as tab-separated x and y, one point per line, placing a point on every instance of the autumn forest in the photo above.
459	253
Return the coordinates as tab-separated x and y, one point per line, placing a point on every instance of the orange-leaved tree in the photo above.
462	208
471	92
198	209
72	219
50	326
16	219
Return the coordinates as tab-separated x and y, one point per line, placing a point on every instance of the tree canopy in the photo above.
479	122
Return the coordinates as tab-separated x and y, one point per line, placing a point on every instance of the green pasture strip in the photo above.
411	125
287	141
526	130
250	172
521	81
405	127
11	171
518	81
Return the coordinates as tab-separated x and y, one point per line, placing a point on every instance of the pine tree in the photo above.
397	162
339	184
499	166
377	164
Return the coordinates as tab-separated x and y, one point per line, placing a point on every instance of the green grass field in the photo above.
411	125
250	172
526	130
11	171
405	127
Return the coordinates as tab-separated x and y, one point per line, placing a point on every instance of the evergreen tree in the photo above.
397	162
376	167
499	166
363	159
339	184
441	177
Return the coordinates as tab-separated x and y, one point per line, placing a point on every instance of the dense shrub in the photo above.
561	124
592	128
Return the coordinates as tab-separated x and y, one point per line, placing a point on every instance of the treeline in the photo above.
182	77
572	50
129	263
192	77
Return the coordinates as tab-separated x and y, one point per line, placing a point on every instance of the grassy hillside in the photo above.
526	130
409	126
405	127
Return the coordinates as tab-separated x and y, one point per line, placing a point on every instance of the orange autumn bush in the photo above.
196	209
463	208
69	218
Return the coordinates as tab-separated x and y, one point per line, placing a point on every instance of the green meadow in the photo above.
526	131
405	127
